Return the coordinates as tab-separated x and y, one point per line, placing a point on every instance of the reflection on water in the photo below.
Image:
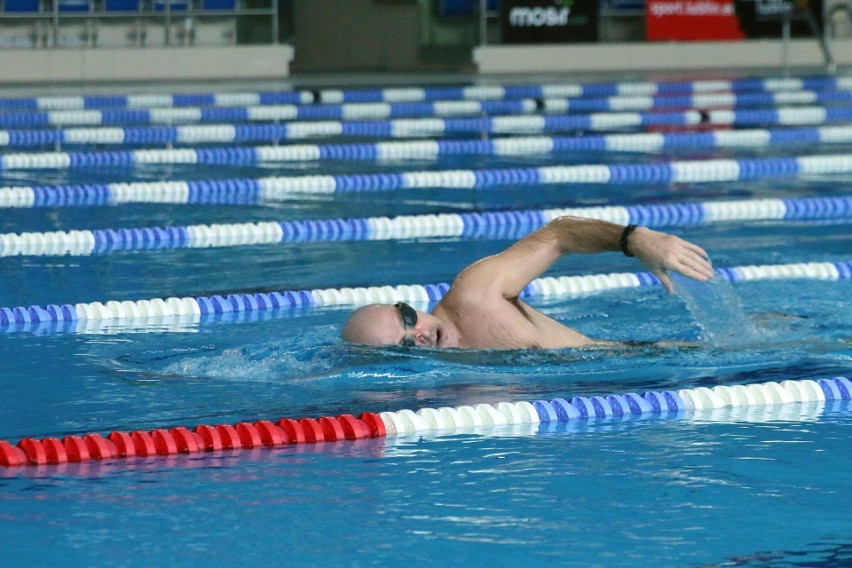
826	553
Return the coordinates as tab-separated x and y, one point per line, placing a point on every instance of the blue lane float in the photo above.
497	92
415	94
179	120
91	317
492	224
362	111
434	149
695	101
581	410
155	100
279	124
259	190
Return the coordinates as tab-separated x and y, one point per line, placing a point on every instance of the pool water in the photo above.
761	486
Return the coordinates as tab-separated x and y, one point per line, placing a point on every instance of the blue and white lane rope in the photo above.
614	407
294	128
493	224
433	149
159	100
698	101
260	190
67	317
374	111
418	94
189	115
272	129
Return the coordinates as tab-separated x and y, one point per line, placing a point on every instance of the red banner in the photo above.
692	20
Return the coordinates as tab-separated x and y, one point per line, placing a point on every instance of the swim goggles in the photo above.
409	320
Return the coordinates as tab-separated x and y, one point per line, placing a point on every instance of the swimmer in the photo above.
483	310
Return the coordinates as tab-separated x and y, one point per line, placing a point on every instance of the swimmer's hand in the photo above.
661	252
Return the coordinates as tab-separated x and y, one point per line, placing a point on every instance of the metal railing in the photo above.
49	17
800	9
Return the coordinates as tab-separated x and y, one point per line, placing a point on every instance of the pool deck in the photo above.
115	65
649	56
273	62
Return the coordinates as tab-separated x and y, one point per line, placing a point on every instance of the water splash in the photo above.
313	354
718	310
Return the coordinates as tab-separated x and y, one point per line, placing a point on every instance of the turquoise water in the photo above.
663	493
757	488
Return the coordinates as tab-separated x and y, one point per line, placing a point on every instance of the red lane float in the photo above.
293	429
75	449
353	429
212	441
123	444
143	444
34	450
249	436
331	429
230	438
55	451
374	424
11	456
313	431
164	442
99	447
182	440
270	434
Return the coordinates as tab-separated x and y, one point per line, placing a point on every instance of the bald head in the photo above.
382	324
374	324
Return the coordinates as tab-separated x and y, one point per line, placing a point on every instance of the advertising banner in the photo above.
692	20
708	20
762	18
549	21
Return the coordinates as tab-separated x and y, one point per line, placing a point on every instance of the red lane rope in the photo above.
181	440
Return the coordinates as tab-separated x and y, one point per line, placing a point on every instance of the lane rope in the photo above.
64	318
272	129
20	137
415	94
294	128
491	224
270	189
433	149
479	418
362	111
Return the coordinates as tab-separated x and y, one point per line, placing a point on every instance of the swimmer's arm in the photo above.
661	252
508	272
